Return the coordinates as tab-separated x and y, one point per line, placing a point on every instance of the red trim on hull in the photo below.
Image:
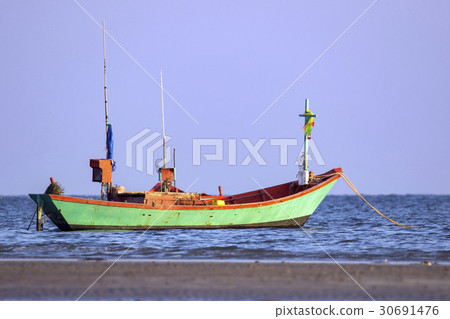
208	207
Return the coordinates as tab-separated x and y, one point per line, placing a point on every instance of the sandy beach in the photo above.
205	280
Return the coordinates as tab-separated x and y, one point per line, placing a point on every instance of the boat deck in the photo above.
178	197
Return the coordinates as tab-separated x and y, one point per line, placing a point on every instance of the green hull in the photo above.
70	213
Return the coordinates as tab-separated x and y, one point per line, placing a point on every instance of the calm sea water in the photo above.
343	226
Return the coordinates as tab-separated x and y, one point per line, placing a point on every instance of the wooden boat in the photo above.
165	206
285	205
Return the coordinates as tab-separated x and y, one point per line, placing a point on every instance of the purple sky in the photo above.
381	92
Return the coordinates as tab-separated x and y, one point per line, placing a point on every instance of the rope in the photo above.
35	211
349	183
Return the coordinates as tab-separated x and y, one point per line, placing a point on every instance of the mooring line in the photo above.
350	184
35	211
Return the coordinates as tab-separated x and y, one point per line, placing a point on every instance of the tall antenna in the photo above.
104	71
105	186
309	123
163	130
305	143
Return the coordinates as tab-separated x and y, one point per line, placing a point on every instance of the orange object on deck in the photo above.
101	170
167	175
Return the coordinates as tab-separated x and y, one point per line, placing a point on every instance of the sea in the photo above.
342	229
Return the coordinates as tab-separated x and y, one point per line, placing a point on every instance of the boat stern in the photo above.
50	209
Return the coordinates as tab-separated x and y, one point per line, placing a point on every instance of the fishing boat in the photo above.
166	207
285	205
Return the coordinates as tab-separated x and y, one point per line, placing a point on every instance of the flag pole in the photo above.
104	72
163	129
308	115
105	186
305	147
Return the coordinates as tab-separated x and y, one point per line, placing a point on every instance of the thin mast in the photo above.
304	175
305	144
104	71
163	129
174	181
105	186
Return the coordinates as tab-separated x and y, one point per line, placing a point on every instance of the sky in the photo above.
378	80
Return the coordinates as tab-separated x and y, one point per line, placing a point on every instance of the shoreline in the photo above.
265	261
220	280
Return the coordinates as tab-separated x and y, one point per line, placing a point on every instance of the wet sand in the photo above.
203	280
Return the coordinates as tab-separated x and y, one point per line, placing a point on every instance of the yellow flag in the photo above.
309	124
